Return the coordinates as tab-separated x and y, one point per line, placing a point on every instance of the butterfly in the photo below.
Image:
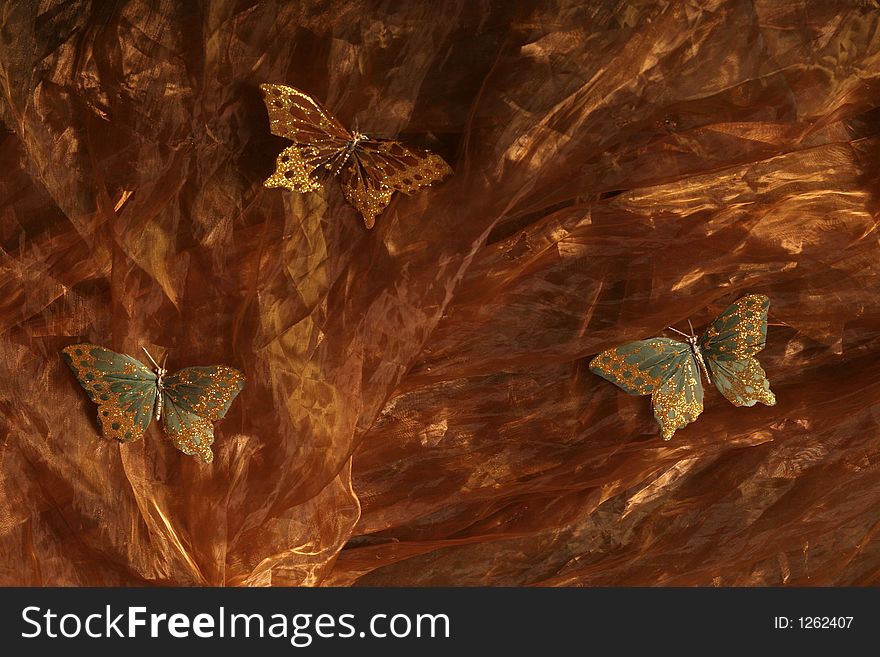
670	371
370	170
129	395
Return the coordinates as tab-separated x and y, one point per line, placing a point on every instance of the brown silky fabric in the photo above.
418	410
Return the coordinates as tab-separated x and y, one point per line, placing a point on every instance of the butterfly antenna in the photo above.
358	134
152	360
691	326
164	360
669	328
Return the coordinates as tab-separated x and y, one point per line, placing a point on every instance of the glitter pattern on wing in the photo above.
729	347
381	167
679	401
740	331
639	367
319	139
194	398
661	367
123	388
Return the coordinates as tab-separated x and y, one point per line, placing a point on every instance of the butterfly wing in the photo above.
380	167
679	401
661	367
729	347
192	399
123	388
319	139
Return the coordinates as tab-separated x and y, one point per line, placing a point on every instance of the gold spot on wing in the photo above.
117	422
195	439
674	409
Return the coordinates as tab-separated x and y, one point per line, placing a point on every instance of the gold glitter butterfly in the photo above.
129	395
370	170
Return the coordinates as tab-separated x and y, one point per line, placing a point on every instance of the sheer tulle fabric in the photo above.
419	409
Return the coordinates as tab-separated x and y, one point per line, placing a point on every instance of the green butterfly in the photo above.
669	370
129	394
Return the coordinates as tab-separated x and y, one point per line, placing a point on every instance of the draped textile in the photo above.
418	407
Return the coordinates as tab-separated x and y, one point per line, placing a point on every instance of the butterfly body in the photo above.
670	371
694	343
350	148
369	170
129	395
160	388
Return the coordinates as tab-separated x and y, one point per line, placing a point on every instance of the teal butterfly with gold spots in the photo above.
129	395
670	371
